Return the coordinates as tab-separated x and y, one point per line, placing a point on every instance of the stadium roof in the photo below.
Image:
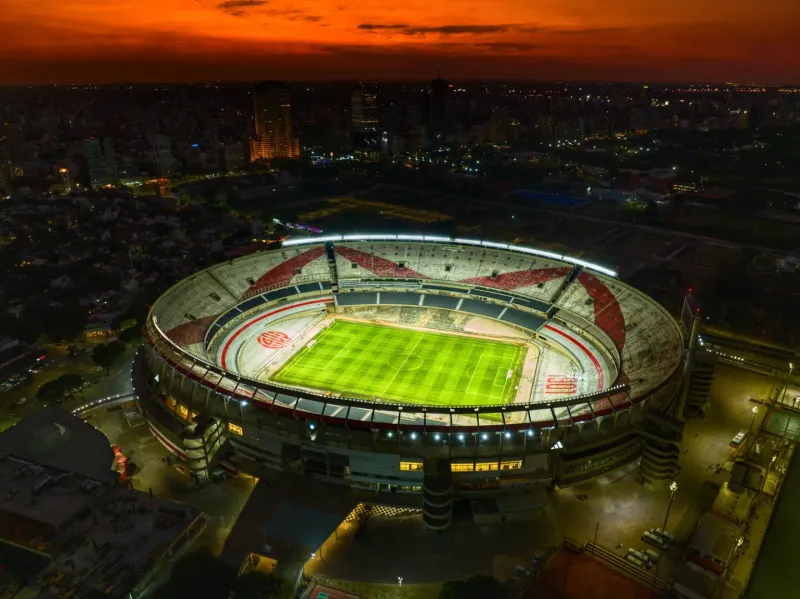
54	437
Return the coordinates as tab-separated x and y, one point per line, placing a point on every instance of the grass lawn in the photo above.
375	361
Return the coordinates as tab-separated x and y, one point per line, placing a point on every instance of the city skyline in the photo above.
85	41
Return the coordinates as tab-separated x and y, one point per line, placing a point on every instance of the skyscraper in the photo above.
437	115
272	113
364	108
162	155
99	171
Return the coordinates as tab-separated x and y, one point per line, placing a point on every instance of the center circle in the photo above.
405	361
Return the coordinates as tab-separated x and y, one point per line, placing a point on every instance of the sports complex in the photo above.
410	364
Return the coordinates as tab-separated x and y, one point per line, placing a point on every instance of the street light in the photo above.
673	486
753	421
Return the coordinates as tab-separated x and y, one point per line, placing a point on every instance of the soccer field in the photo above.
375	361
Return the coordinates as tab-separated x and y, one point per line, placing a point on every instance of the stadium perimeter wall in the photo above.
385	447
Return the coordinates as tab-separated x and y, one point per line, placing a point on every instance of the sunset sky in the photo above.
58	41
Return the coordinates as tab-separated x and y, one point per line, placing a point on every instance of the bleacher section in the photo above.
532	276
523	319
440	301
481	308
624	322
399	298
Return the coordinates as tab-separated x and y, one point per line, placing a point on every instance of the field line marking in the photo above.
471	378
513	360
399	370
299	356
339	352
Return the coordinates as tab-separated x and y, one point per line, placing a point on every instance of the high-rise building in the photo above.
66	179
99	171
162	155
233	154
272	113
364	108
437	115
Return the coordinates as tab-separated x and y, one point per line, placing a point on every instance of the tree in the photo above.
257	585
477	587
198	574
131	335
54	390
105	355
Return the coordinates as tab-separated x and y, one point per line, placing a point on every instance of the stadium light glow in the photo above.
413	436
484	436
507	434
437	436
492	244
390	434
590	265
530	433
460	436
435	238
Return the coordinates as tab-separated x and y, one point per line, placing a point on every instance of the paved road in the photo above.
117	381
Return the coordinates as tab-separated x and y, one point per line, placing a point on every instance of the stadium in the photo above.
410	364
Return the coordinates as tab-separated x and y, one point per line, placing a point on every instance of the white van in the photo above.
638	554
664	534
654	539
653	555
737	440
636	561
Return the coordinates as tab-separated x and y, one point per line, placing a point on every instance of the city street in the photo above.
618	502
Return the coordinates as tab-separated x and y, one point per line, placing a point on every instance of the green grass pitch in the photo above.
374	361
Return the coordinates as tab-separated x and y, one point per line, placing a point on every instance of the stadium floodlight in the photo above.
413	436
468	241
312	426
435	238
494	244
484	436
308	240
530	433
460	436
591	265
390	434
365	237
507	434
410	237
437	436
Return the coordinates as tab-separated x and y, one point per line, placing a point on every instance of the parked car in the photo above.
640	555
653	555
664	534
636	561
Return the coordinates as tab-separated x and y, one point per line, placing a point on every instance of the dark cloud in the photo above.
377	27
507	46
236	8
592	30
440	30
458	29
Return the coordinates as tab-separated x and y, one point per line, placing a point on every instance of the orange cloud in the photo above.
96	40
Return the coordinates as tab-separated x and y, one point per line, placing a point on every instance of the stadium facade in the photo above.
623	352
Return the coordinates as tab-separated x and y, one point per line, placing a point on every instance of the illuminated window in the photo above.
462	467
171	403
235	428
511	465
413	466
183	411
485	466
